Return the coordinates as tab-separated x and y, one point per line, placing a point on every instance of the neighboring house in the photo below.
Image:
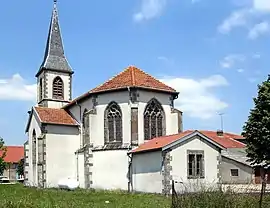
236	169
13	157
192	158
88	138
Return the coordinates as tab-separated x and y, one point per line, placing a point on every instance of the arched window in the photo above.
58	88
113	123
34	141
154	120
40	89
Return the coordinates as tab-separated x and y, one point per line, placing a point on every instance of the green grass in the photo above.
23	197
18	196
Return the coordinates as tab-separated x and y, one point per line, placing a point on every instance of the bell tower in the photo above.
54	77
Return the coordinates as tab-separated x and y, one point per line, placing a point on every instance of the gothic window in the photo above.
154	120
113	123
58	88
40	90
34	141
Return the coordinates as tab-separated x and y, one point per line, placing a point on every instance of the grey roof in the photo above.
54	58
237	154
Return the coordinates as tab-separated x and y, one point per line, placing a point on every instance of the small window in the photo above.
195	164
234	172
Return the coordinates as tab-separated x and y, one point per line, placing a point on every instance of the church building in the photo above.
88	138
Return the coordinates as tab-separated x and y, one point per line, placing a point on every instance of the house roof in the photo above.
55	116
238	155
225	141
14	154
130	77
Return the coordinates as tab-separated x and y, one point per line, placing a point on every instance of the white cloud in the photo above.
16	88
262	5
196	98
236	19
231	60
256	56
195	1
240	70
245	16
149	10
259	29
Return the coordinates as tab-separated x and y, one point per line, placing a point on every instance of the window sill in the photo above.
195	177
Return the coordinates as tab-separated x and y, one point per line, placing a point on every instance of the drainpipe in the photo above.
81	139
130	187
77	165
129	103
77	152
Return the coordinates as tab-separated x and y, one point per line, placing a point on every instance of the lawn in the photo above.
18	196
23	197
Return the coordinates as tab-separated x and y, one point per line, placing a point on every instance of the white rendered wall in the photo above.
34	125
146	172
110	169
61	161
179	165
122	98
81	169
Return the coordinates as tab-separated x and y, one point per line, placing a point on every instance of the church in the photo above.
124	134
88	138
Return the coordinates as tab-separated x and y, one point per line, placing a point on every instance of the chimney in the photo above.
220	133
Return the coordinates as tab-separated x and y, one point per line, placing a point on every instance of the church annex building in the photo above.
107	137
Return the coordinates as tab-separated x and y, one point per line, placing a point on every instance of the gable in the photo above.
189	137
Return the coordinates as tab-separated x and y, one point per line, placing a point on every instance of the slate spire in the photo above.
54	58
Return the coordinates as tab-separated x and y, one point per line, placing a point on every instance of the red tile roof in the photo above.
157	143
14	154
55	116
133	77
130	77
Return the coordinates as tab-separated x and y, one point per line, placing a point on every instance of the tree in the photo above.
3	152
257	128
257	131
20	168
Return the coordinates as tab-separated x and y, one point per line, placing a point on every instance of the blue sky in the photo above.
213	52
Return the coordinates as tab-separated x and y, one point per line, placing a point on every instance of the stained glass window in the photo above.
154	120
113	123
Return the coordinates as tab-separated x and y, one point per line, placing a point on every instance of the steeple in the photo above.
54	58
54	77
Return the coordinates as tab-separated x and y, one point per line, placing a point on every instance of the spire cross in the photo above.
55	1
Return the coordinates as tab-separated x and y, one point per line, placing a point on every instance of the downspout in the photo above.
130	186
129	103
130	146
77	152
77	164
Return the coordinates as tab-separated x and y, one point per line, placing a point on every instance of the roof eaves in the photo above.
188	136
60	124
234	159
145	151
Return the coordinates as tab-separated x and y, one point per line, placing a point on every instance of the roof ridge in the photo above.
125	70
48	107
132	71
154	78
